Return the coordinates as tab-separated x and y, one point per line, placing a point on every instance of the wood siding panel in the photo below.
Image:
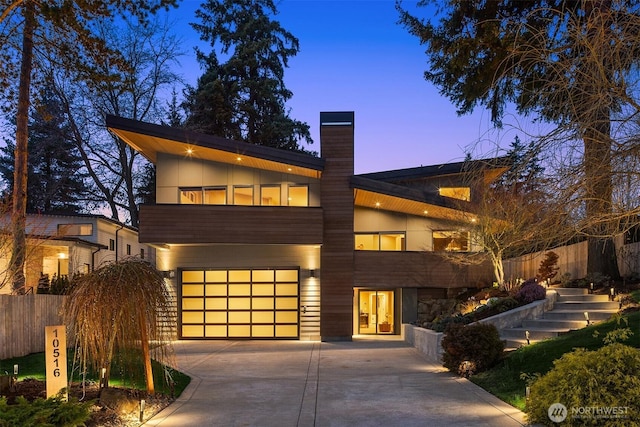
416	270
337	249
167	223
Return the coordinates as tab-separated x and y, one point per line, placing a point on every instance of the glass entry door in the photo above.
376	312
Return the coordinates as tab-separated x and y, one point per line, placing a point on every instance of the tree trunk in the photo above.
596	118
601	256
146	355
19	208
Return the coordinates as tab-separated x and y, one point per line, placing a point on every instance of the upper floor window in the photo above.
191	196
75	229
243	195
380	241
460	193
112	245
215	196
451	241
270	195
298	195
128	249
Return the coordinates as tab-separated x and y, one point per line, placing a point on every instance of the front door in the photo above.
375	312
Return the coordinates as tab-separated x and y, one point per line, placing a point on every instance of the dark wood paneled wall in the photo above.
416	270
168	223
336	259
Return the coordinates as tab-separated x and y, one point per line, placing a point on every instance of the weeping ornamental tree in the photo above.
115	309
568	63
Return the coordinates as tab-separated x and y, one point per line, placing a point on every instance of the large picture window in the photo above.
380	241
451	241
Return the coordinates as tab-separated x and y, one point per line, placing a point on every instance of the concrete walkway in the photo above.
296	383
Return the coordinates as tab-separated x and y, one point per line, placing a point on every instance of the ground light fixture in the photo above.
586	317
526	335
142	405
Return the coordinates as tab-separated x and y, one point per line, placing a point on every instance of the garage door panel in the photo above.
192	331
246	303
216	331
216	290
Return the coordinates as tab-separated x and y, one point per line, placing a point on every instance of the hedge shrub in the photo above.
590	384
472	348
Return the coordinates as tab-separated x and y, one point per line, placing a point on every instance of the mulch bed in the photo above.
102	415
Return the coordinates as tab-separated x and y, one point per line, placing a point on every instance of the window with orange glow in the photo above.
460	193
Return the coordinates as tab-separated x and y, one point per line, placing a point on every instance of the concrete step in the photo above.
571	291
583	298
595	315
535	334
554	325
514	344
586	306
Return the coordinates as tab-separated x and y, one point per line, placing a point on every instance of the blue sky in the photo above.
355	57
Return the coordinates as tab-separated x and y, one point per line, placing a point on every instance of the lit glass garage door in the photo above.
239	304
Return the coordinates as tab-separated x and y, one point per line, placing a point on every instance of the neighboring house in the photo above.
63	245
272	244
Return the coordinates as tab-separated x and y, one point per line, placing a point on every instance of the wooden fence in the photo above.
573	260
22	322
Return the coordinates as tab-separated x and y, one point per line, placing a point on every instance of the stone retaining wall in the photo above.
428	342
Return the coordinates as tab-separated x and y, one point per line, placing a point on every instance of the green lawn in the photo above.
33	366
507	380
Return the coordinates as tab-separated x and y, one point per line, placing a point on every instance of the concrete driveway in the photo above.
297	383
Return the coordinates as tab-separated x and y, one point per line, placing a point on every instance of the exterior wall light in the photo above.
312	272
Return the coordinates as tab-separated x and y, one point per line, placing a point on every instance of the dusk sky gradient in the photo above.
354	56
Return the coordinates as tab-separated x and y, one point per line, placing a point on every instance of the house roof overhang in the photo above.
490	169
375	194
150	139
66	240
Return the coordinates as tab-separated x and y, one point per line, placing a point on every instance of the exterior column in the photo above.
337	255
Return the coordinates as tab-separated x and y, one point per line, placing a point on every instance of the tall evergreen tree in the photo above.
245	97
55	181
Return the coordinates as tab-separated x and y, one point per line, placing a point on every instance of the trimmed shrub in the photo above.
472	348
44	412
600	387
548	266
530	291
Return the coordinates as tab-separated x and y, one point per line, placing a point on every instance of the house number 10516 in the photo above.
56	360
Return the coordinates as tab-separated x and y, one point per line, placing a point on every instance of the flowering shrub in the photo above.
530	291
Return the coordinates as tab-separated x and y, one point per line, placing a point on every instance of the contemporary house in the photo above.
262	243
62	245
